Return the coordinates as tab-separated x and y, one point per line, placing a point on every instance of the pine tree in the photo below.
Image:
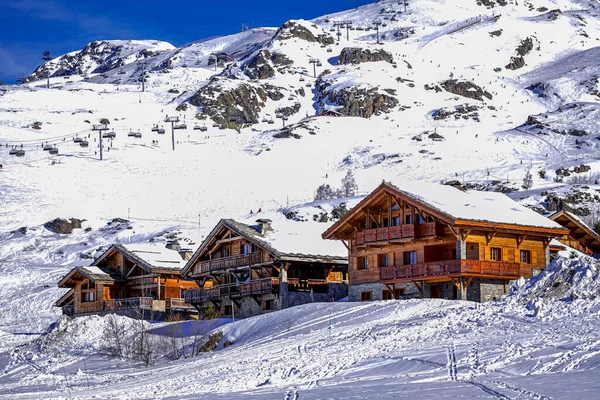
324	192
527	180
349	186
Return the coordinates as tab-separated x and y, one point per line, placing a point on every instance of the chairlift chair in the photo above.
203	128
47	147
109	135
302	79
155	129
291	98
319	64
161	131
329	50
53	151
271	122
215	125
84	143
20	153
12	151
77	140
196	127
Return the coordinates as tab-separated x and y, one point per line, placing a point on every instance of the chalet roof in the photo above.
459	207
93	273
288	241
578	229
152	257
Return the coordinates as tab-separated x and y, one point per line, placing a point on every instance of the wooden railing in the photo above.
259	286
128	304
399	232
178	304
144	281
230	262
449	267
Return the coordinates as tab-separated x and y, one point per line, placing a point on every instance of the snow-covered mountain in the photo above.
475	91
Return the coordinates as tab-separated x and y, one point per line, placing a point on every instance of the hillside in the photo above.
478	91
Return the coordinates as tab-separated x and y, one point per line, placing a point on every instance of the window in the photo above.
395	221
384	260
89	296
419	219
386	222
408	219
269	304
224	252
496	254
410	257
362	263
227	310
399	293
386	295
366	296
373	225
247	249
526	256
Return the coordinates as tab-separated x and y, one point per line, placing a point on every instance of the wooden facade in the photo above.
580	237
120	280
239	273
395	238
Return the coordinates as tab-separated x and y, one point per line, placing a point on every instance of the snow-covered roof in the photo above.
155	255
473	205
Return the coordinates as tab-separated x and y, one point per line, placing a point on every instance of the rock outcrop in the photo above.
357	55
465	89
63	226
522	50
263	64
356	101
303	30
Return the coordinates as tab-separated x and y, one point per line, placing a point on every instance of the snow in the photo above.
95	270
514	348
157	254
475	205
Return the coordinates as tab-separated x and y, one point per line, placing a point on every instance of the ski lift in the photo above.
20	153
203	128
53	151
302	79
271	122
84	143
308	85
77	139
319	64
12	151
332	30
155	129
109	135
180	126
264	120
329	50
342	26
291	98
215	125
47	147
196	127
161	131
384	25
352	28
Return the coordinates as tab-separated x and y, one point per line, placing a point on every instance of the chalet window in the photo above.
362	263
418	219
410	257
373	225
386	222
399	293
224	252
247	249
227	310
366	296
496	254
526	256
408	219
384	260
88	296
269	305
396	221
386	295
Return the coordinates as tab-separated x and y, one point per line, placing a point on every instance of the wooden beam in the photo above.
391	289
464	233
455	233
456	283
469	279
546	242
389	210
488	237
345	244
520	239
231	239
420	288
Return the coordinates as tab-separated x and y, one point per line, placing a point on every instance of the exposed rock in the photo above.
522	50
496	33
465	89
436	137
464	111
296	29
260	66
357	55
525	47
63	226
233	106
515	63
287	111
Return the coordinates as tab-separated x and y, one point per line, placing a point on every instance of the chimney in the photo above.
263	226
173	245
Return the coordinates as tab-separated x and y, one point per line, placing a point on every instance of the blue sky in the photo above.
28	27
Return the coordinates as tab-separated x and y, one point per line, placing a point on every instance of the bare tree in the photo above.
527	180
114	336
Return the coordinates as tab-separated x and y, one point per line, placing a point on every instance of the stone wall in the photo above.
376	289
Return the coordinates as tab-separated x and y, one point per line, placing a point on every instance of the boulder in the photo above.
63	226
297	29
465	89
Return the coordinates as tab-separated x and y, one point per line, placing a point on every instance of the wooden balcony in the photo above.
219	264
398	232
454	268
178	304
144	303
232	290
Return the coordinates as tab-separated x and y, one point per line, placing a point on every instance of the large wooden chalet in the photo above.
580	237
439	241
127	278
246	270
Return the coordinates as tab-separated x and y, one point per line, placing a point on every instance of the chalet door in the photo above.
435	292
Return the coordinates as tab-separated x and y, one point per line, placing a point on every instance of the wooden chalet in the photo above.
127	278
246	270
431	240
580	237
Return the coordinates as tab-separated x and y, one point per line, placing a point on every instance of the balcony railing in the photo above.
230	262
259	286
450	267
128	304
178	304
399	232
